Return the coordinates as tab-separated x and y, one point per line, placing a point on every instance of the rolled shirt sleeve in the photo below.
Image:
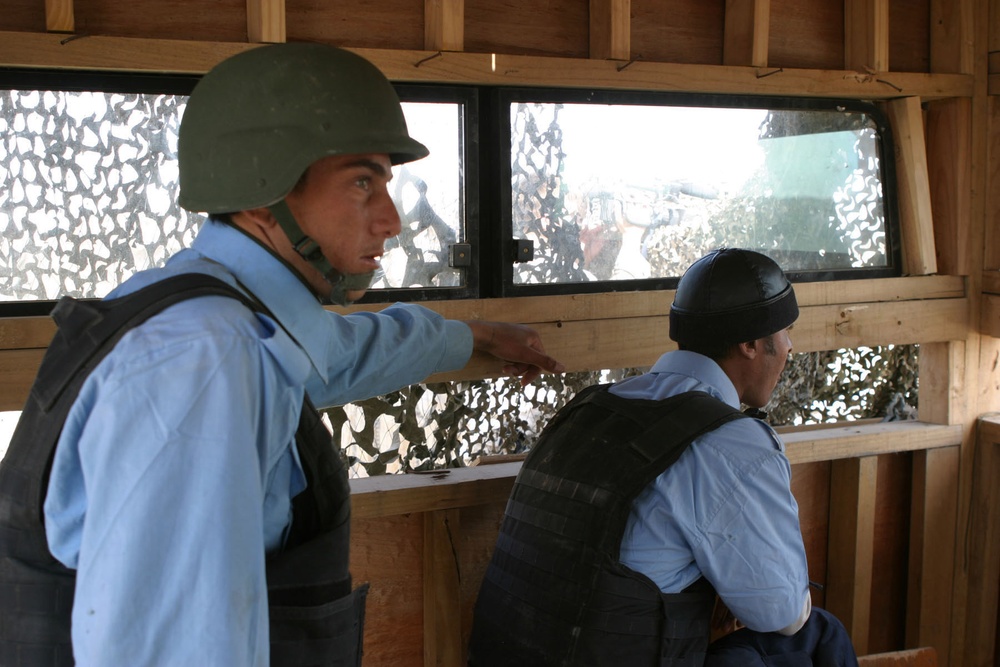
724	510
747	540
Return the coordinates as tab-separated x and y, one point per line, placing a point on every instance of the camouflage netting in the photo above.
89	198
432	426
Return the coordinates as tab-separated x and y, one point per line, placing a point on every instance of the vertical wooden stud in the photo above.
915	218
266	21
746	33
853	485
866	35
941	382
933	519
991	260
444	25
949	149
610	29
952	29
442	590
983	534
59	16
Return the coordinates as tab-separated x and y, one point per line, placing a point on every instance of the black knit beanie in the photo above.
731	295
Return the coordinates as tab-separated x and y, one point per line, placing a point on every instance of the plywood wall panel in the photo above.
375	24
678	31
220	20
28	15
528	27
480	526
909	36
388	552
806	33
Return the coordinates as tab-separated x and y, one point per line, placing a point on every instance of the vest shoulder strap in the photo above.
87	332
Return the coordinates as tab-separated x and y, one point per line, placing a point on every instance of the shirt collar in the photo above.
700	368
270	281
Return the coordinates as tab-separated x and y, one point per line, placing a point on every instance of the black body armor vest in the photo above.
315	617
555	592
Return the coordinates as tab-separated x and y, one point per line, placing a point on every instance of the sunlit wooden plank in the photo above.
442	589
59	15
266	21
444	25
866	35
915	212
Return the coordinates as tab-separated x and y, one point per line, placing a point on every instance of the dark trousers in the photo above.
821	642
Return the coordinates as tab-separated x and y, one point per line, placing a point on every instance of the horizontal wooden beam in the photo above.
389	495
869	439
28	49
599	344
627	340
17	333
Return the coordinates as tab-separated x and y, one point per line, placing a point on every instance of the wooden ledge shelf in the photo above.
391	495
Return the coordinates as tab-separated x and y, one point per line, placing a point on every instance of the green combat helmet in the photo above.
257	120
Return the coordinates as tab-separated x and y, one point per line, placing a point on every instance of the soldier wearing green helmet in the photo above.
195	510
321	102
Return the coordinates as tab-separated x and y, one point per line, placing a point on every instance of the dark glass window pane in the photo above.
626	191
429	195
90	193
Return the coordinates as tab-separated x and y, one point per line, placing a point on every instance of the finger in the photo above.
525	372
533	357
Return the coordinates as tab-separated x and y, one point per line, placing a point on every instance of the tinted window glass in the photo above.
624	192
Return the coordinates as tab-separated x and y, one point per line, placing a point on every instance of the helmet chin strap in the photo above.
309	250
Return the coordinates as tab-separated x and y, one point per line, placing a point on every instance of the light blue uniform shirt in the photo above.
724	510
176	467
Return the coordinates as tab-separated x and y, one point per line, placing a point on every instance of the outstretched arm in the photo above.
518	345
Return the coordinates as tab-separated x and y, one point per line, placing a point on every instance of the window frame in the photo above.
485	155
501	100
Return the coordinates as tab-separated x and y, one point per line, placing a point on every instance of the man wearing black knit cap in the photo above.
645	501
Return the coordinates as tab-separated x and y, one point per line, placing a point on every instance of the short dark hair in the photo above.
717	351
712	349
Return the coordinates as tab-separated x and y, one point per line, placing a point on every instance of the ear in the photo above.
749	349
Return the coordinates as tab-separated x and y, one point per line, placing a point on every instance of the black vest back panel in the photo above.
36	591
554	592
